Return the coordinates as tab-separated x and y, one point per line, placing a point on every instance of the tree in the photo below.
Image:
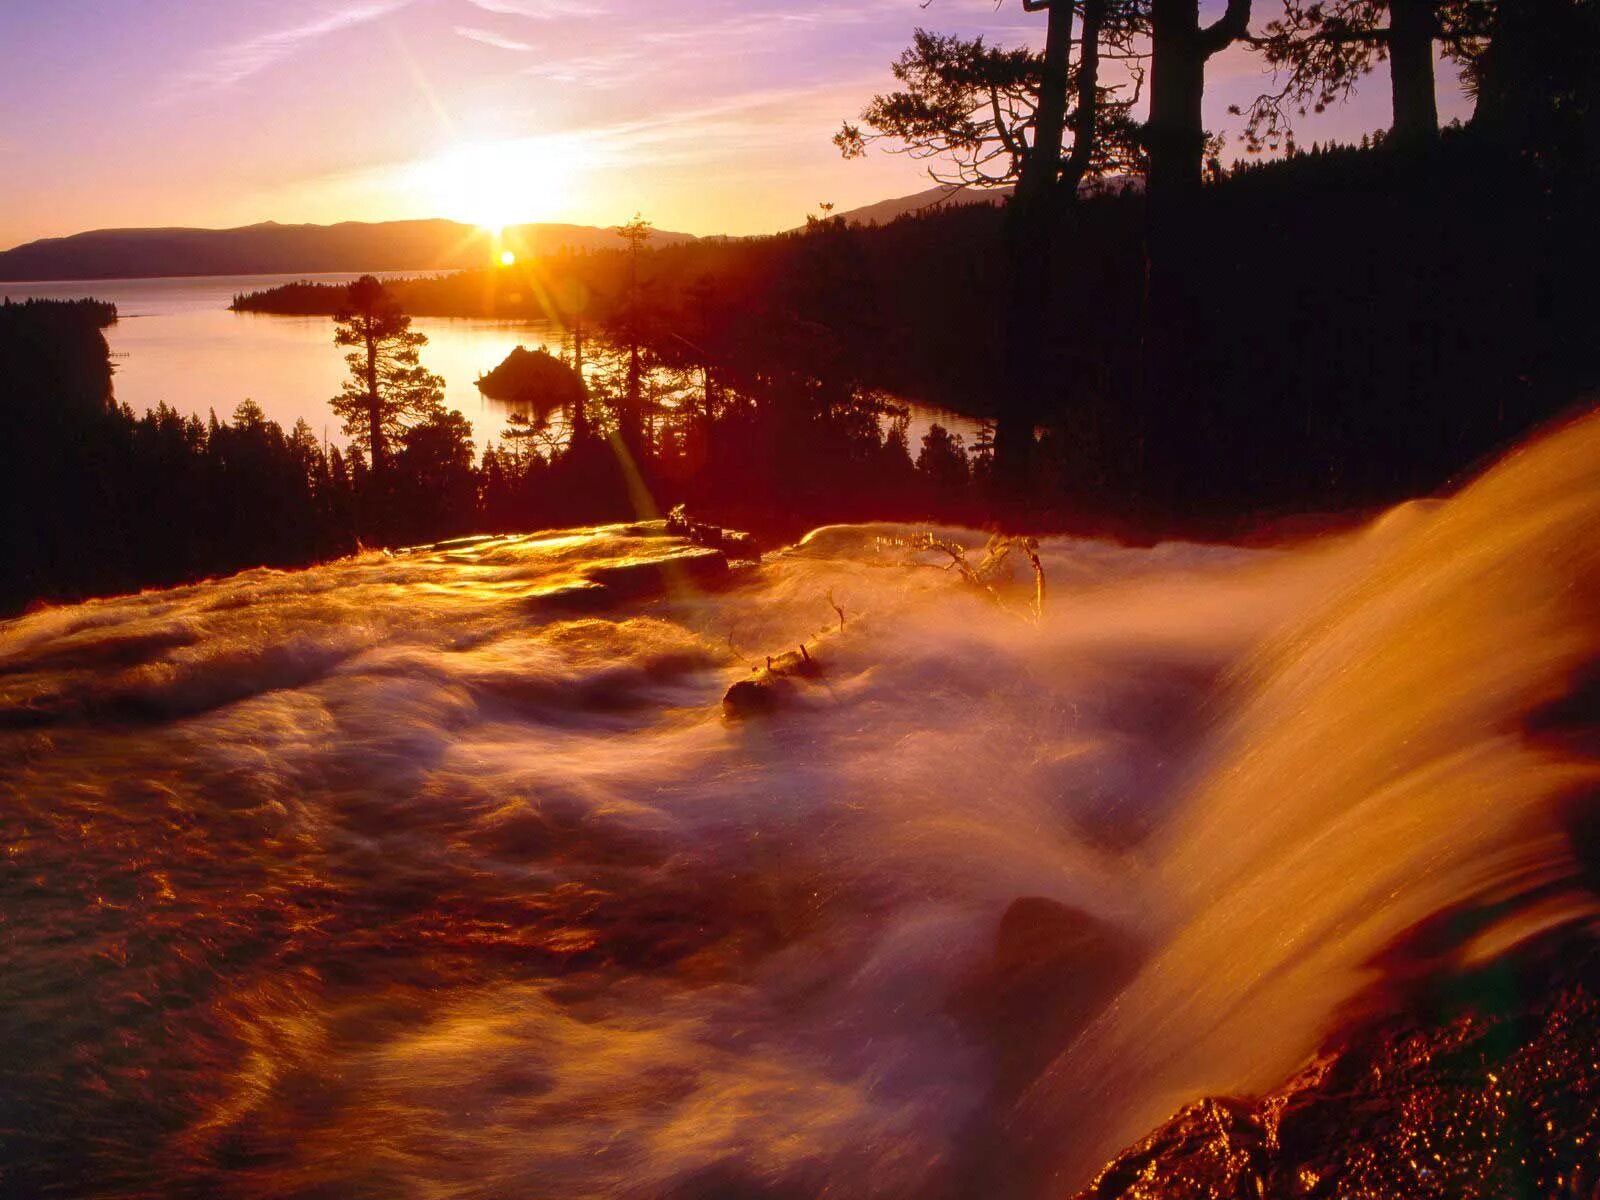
1323	48
1175	134
636	233
1532	72
438	485
980	114
994	117
388	389
942	461
1176	286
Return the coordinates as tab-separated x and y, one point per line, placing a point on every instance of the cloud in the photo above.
229	64
541	10
604	70
490	38
721	130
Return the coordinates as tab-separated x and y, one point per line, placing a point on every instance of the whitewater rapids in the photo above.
444	874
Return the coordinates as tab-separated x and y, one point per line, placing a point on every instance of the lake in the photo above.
176	341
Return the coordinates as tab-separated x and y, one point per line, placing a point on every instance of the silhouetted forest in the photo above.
98	500
1366	322
1338	329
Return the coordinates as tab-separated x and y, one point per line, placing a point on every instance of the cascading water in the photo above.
444	874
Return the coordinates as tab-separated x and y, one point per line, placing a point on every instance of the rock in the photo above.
1485	1084
652	576
1051	969
735	543
1216	1149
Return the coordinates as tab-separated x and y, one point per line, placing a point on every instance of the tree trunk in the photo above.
1175	134
1170	417
1085	122
1175	139
1412	27
374	407
580	414
630	421
1029	232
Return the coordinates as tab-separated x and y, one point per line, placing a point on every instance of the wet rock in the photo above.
650	576
1214	1150
1486	1085
735	543
582	596
1051	969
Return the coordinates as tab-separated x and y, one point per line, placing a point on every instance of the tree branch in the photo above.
1232	25
1000	125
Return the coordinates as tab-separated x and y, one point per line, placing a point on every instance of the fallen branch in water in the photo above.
987	574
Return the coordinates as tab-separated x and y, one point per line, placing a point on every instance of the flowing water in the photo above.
175	342
444	874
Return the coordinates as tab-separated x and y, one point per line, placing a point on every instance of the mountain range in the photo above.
942	196
269	248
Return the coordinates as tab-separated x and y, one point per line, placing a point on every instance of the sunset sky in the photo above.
708	116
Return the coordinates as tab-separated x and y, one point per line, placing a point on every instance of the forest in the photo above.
1189	349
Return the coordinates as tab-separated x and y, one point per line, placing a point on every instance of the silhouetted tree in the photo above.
1170	405
635	233
437	481
999	116
942	462
1534	75
1175	135
1323	48
388	389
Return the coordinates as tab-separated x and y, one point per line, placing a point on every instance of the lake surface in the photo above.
176	341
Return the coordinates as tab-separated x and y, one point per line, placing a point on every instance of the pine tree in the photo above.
388	390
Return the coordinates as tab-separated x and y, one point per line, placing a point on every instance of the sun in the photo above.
495	184
507	258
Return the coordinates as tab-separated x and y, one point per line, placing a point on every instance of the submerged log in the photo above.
770	686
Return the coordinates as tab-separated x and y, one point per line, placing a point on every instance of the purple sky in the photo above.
706	115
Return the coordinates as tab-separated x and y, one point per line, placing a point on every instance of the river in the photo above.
176	342
444	873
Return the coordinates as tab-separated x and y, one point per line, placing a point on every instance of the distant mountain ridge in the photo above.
948	195
942	196
270	248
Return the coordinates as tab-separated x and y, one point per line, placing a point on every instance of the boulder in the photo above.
1483	1083
1051	969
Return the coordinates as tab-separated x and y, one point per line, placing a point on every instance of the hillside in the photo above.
271	248
943	196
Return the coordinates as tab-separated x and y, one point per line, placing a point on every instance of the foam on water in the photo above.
444	874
